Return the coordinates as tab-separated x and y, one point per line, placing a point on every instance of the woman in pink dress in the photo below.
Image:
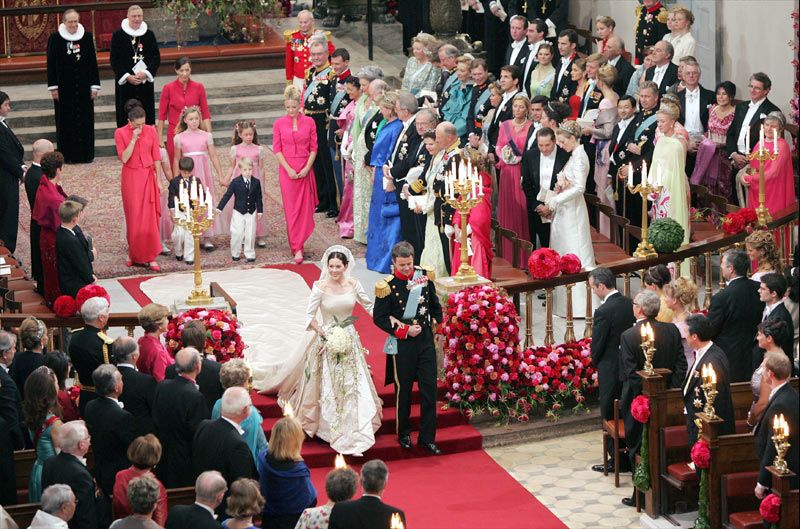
245	145
512	208
345	119
176	96
711	169
479	222
153	356
294	142
778	176
137	147
49	197
192	141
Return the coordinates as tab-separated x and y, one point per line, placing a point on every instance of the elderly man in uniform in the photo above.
297	48
90	347
651	26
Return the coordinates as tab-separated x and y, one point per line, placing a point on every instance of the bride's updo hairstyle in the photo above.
340	256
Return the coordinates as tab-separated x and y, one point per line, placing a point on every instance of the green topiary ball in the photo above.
666	235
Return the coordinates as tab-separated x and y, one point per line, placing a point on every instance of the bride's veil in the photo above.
324	261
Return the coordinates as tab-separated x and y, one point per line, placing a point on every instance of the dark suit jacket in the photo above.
11	410
556	10
624	73
74	266
694	399
502	113
563	86
208	380
521	57
731	143
112	430
735	312
8	472
670	77
707	97
779	313
530	173
407	146
786	402
367	512
190	516
138	394
244	200
32	179
65	468
11	154
617	150
178	409
611	319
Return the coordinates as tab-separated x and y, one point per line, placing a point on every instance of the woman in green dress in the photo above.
41	411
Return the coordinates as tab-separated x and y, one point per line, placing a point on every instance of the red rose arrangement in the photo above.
222	333
701	455
544	263
770	508
640	409
570	264
65	307
88	292
738	221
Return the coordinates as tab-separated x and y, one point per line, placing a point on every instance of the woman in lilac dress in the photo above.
346	120
711	169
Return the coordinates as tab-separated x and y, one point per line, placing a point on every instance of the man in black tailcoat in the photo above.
613	51
369	511
210	489
563	85
90	347
135	59
621	135
771	289
555	13
138	389
407	308
194	335
10	396
12	171
510	78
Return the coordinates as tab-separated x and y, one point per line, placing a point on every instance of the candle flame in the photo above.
396	522
288	411
339	461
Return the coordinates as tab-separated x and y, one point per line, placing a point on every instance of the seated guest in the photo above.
194	335
369	510
68	468
614	51
771	290
144	453
761	248
341	484
59	363
664	72
778	173
58	506
678	297
138	389
284	478
143	495
420	73
10	398
244	502
680	22
153	356
707	353
72	251
637	78
33	336
112	427
459	95
655	279
89	347
771	333
40	408
178	409
209	490
237	373
711	169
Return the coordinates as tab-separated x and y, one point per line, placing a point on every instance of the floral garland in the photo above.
701	457
795	101
770	509
739	221
223	340
66	306
640	410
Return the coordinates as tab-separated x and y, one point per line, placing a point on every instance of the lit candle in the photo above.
193	190
775	141
474	192
643	332
396	522
704	372
452	187
776	423
712	374
630	174
339	461
761	141
644	174
288	411
200	199
785	428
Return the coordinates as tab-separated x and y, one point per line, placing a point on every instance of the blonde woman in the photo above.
604	27
678	297
543	76
420	73
762	250
153	356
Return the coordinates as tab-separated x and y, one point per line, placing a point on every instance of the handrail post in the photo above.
708	279
587	329
569	334
548	325
529	319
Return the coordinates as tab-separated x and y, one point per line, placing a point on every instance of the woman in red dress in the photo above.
137	147
45	211
479	222
177	95
153	356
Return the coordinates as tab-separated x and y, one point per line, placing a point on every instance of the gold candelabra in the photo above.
644	250
463	191
196	214
762	155
780	437
648	347
709	386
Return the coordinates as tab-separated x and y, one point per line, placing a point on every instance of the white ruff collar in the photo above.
126	27
71	37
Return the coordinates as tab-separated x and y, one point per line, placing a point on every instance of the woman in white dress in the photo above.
432	252
569	231
331	390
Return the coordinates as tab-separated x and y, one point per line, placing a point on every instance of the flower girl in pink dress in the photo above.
245	145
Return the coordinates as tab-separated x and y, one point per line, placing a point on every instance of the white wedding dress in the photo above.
570	232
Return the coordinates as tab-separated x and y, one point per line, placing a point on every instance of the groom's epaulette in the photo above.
382	288
429	271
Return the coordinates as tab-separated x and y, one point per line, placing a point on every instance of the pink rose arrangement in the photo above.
222	333
640	409
701	455
770	508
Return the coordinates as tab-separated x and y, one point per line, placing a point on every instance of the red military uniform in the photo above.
297	55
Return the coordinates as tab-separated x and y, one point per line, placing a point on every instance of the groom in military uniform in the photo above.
407	308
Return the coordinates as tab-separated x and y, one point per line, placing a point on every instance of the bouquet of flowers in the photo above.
640	411
223	340
770	509
544	263
701	457
338	341
738	221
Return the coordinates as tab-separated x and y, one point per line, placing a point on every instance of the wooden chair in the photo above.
23	513
614	430
180	496
739	506
675	470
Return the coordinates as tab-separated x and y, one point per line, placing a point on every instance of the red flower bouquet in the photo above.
222	333
748	215
570	264
770	508
544	263
701	455
640	409
88	292
733	223
65	306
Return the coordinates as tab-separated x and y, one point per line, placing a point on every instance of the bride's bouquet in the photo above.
338	340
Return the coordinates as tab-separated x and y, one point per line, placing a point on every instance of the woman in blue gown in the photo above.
41	410
383	230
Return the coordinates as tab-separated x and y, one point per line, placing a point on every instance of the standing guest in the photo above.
33	336
244	503
74	257
604	27
73	81
761	249
537	30
68	468
209	489
340	62
196	335
153	356
614	51
695	102
651	26
678	297
347	124
137	148
482	142
433	254
655	279
178	409
459	95
617	150
248	209
58	506
543	76
538	104
368	511
592	95
143	495
144	453
509	83
8	472
245	146
681	20
748	116
778	173
237	373
175	97
553	12
32	179
479	103
284	478
637	78
771	290
564	84
49	197
420	73
12	170
341	485
41	412
135	59
734	314
448	55
663	72
10	399
59	363
89	347
517	50
577	74
298	44
138	389
294	142
414	16
479	225
711	167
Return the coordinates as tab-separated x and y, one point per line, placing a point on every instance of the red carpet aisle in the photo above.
465	488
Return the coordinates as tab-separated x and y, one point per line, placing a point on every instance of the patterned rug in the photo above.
99	182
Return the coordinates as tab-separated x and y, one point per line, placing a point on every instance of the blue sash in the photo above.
390	347
336	100
312	86
452	78
481	100
644	125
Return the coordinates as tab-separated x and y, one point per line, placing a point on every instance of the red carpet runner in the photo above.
465	488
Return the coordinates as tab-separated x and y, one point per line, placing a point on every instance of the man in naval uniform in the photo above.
651	26
297	48
90	347
407	308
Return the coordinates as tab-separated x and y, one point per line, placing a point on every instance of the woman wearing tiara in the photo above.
331	390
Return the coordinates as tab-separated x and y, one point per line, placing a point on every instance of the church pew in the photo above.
180	496
23	466
739	506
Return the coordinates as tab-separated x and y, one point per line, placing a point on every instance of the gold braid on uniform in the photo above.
662	16
417	186
106	342
429	271
636	27
287	35
382	288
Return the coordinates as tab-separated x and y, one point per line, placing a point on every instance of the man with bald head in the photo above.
32	178
209	491
613	51
178	409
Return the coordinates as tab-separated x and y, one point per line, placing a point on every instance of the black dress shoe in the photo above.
249	260
405	442
179	258
602	468
332	214
629	502
235	258
320	209
432	448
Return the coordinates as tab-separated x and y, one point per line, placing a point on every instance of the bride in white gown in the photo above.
569	231
331	390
